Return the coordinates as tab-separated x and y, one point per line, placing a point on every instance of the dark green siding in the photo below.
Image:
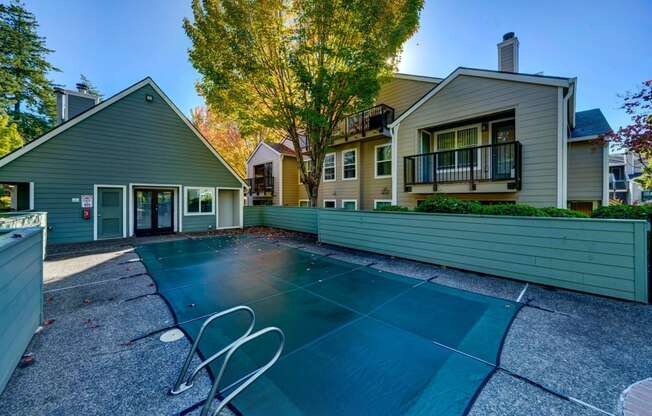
130	141
21	294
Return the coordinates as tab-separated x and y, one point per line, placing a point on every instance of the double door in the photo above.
154	211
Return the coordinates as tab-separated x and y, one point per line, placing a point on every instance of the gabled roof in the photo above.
589	124
282	149
104	104
486	73
412	77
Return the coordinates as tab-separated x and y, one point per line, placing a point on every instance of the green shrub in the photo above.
392	208
560	212
444	204
631	212
514	210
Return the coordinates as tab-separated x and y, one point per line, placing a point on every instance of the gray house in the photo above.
130	165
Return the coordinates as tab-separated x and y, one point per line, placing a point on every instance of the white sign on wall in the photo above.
87	201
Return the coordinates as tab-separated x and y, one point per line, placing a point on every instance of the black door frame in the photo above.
154	230
496	173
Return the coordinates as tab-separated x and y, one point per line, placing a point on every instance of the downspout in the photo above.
394	131
280	182
563	202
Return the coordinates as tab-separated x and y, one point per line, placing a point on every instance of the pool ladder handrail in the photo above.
249	378
180	385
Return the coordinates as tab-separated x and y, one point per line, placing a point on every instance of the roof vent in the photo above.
508	53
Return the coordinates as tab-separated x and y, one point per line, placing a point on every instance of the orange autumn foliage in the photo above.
225	137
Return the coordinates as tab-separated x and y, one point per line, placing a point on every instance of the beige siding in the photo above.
372	187
340	189
293	191
402	93
263	155
536	108
585	171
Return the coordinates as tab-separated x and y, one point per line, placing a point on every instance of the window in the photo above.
304	203
329	203
379	203
456	139
308	164
329	167
384	160
199	201
350	204
349	165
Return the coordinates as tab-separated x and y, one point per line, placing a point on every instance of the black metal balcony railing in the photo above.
374	119
489	163
261	185
618	185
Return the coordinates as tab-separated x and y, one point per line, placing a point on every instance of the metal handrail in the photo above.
254	375
180	386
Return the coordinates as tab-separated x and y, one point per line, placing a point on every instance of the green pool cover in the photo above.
358	341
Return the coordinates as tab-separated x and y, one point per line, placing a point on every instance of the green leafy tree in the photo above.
26	94
10	139
297	66
92	88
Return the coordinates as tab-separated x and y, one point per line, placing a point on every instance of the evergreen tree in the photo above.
92	89
26	94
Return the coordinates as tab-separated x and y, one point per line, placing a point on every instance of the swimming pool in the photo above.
358	340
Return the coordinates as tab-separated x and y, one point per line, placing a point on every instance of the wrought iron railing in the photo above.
489	163
261	185
374	119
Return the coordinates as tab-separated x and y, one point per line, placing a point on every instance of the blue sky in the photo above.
606	44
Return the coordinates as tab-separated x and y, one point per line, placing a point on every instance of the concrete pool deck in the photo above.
96	300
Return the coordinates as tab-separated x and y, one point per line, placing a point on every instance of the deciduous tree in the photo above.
26	93
10	139
297	66
637	136
225	136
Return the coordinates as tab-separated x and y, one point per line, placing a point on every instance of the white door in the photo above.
228	215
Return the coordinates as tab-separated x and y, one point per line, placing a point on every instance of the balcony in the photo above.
366	123
470	165
617	185
261	186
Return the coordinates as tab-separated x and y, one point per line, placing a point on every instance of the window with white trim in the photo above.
308	165
453	139
380	203
199	201
329	167
329	203
350	204
383	161
349	164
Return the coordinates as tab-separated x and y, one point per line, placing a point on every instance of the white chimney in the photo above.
508	53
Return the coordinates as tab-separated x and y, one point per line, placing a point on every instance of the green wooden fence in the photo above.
21	294
287	218
605	257
13	220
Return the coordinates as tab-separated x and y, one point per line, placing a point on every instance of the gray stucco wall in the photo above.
130	141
